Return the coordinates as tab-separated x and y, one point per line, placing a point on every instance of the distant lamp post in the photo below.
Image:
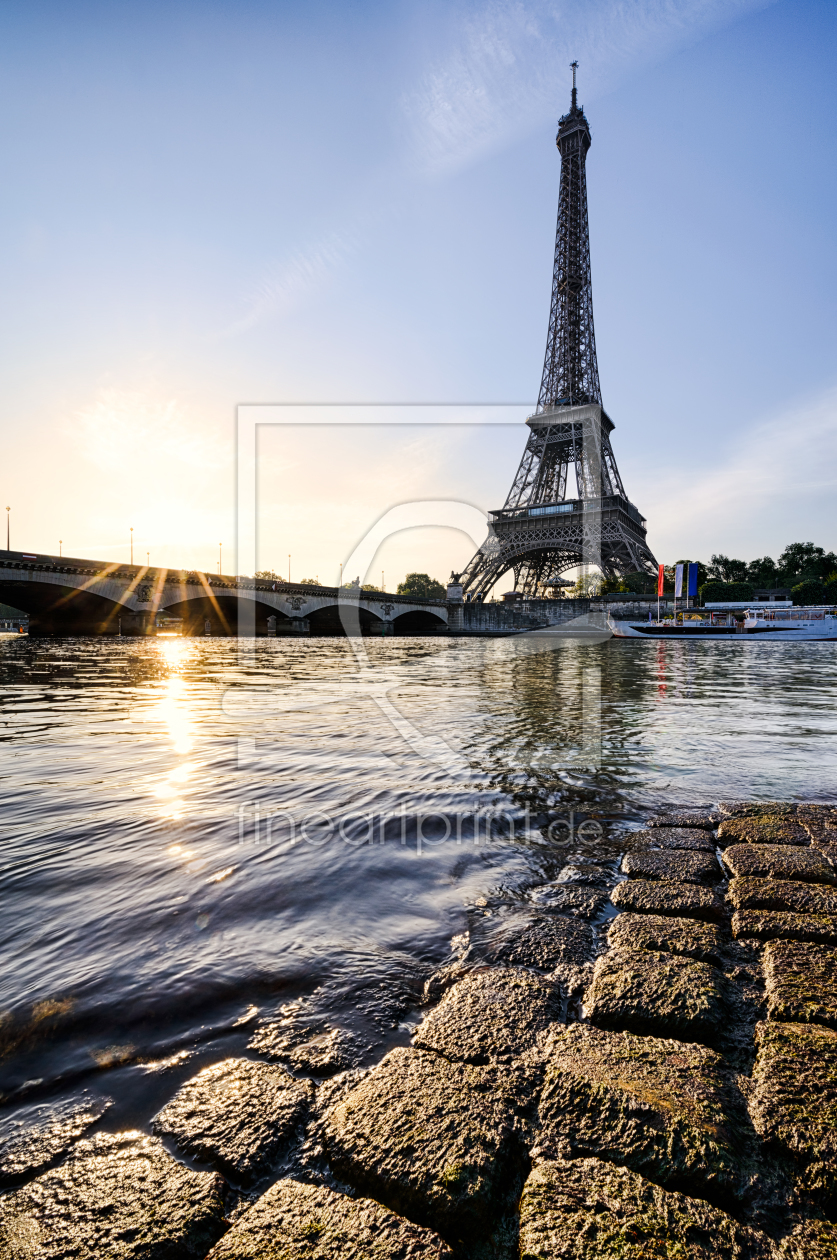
289	567
219	558
60	545
148	559
341	572
383	583
8	510
132	544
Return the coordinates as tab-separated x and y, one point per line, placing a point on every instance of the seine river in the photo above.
198	833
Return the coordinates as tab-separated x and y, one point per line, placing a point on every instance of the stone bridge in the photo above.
65	596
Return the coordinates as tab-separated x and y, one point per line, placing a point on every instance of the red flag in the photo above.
661	576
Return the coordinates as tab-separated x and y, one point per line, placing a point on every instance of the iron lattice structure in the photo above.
540	533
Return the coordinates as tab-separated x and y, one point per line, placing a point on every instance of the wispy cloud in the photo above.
778	471
503	71
507	68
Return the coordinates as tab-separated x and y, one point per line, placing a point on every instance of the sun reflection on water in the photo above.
173	710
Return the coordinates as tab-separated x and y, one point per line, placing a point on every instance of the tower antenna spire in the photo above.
574	67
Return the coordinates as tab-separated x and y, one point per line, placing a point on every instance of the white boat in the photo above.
765	625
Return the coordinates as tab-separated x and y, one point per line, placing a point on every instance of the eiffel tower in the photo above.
540	532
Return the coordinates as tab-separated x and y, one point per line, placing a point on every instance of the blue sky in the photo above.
214	204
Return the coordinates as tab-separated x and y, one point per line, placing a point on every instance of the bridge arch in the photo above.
56	609
419	621
344	617
223	612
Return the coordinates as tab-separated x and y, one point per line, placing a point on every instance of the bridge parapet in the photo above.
67	595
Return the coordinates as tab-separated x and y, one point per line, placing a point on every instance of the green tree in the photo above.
422	586
631	584
725	592
587	586
722	569
797	560
809	592
268	575
801	562
763	572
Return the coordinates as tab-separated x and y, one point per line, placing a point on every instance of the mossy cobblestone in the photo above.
439	1142
686	868
492	1016
689	839
294	1220
763	829
587	1209
801	982
668	897
794	1100
772	925
235	1115
651	992
667	1109
778	861
686	937
119	1196
747	893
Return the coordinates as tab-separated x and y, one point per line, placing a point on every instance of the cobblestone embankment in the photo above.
644	1066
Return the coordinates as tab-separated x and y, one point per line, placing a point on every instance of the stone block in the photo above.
35	1136
294	1219
235	1115
581	903
667	935
439	1142
820	822
784	925
688	838
586	873
794	1099
763	829
778	861
812	1240
688	818
782	894
312	1051
685	868
827	847
754	809
118	1195
542	941
667	897
646	992
585	1209
491	1016
801	982
666	1109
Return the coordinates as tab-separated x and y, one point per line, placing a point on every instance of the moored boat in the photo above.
763	624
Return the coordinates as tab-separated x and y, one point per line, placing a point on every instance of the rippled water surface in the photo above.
200	833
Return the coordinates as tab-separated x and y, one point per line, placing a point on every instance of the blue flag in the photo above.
693	581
